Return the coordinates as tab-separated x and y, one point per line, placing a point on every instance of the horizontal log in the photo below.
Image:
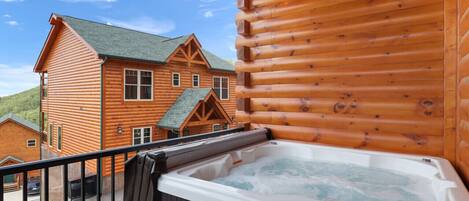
428	145
355	41
408	125
342	92
280	21
385	77
280	8
423	15
422	108
318	61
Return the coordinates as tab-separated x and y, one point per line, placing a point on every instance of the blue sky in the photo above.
24	27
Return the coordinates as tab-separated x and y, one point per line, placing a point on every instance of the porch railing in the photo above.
24	168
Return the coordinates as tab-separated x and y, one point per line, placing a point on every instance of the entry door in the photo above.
173	134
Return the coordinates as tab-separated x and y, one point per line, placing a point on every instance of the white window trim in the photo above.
61	136
141	139
198	80
50	137
213	127
139	84
172	79
27	143
221	86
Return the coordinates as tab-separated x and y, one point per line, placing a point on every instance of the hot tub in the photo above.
285	170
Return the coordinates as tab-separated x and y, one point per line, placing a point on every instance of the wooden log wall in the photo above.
352	73
463	91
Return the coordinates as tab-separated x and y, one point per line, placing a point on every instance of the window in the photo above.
141	135
51	132
44	85
216	127
138	85
59	138
31	143
219	127
220	86
195	80
176	80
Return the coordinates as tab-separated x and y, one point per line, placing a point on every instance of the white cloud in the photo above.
6	16
89	1
208	14
12	23
144	24
16	78
9	1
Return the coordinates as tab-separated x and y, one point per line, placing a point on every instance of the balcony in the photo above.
56	167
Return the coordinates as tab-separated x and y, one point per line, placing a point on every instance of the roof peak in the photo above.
114	26
19	120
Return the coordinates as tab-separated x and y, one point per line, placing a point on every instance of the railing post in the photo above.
1	187
113	179
82	181
98	179
25	186
46	184
65	182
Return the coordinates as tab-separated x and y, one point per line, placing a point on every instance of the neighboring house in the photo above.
105	86
20	143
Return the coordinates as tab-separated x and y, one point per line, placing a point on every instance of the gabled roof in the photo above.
117	42
10	158
19	120
185	104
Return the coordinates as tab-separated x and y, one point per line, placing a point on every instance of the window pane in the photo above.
176	79
59	137
145	78
130	92
136	141
137	133
195	79
146	132
224	82
51	131
146	140
224	94
216	127
130	77
216	83
145	92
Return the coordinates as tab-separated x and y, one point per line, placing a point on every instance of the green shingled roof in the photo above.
120	42
183	106
24	122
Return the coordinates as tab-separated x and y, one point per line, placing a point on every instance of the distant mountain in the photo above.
24	104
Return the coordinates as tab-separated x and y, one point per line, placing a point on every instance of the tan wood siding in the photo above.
463	91
13	143
73	100
352	73
134	114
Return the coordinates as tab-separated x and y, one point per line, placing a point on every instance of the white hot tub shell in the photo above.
194	181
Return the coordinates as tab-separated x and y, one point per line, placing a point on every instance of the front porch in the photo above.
195	111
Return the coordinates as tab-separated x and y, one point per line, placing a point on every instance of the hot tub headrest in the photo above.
143	170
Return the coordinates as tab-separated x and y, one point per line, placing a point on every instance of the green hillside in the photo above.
24	104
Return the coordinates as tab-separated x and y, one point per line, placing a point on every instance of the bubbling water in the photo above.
324	181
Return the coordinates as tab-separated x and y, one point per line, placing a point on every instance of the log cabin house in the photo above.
388	75
104	86
20	143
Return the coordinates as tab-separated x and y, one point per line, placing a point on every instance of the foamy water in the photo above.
324	181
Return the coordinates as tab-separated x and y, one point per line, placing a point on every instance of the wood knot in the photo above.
338	107
420	140
428	106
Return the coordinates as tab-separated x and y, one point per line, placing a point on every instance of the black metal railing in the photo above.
24	168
